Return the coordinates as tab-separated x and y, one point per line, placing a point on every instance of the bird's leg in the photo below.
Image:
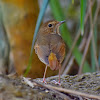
59	76
55	82
44	75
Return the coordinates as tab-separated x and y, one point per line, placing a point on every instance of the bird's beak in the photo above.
61	22
58	25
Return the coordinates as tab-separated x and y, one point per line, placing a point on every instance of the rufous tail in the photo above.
53	62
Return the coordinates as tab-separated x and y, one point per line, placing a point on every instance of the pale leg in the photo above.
59	77
45	74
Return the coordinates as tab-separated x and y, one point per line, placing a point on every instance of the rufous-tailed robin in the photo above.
49	46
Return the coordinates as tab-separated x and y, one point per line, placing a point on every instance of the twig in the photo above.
73	92
93	43
69	66
57	92
34	83
88	41
27	81
95	54
90	37
97	11
70	52
72	58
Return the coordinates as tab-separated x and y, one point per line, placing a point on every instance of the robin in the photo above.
49	46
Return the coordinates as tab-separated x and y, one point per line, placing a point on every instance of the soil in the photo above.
15	88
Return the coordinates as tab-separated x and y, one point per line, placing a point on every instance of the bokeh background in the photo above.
81	34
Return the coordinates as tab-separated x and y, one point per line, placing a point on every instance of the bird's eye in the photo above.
50	25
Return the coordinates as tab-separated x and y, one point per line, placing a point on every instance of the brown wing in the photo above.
42	52
58	47
61	52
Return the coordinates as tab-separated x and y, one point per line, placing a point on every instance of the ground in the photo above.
82	87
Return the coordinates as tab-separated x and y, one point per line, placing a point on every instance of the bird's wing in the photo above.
59	50
56	56
57	46
43	52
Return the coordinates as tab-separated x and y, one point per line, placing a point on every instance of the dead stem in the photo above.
70	52
72	58
57	92
95	54
67	69
73	92
90	37
93	43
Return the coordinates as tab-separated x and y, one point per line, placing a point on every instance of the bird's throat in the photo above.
57	30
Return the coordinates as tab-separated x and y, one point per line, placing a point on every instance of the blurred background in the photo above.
81	34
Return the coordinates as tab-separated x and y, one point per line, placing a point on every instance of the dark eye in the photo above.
50	25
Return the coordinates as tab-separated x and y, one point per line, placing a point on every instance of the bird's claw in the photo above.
44	81
57	83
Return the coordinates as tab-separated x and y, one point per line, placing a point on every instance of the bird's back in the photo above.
50	43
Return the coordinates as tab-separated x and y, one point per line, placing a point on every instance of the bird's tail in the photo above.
53	62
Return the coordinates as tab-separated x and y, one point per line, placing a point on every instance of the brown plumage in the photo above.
50	46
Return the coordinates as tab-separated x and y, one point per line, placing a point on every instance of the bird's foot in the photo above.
44	81
57	83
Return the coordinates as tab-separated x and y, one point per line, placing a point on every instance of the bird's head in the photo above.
51	27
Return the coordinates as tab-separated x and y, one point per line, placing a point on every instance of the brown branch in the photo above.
97	11
72	58
61	91
90	37
70	52
93	43
95	54
67	69
88	41
73	92
57	92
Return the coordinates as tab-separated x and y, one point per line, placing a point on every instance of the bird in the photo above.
49	46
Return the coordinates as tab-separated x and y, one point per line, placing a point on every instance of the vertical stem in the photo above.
88	41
